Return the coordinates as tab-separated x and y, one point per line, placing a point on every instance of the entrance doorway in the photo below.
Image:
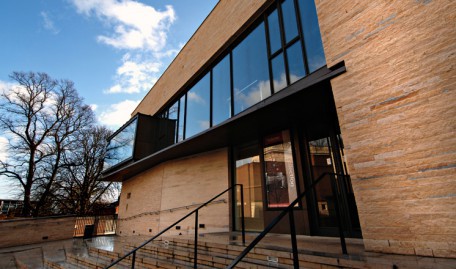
324	154
277	168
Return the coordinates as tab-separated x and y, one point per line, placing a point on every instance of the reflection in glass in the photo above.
250	70
322	162
248	173
181	123
173	114
289	20
312	37
198	107
295	62
274	31
279	170
120	147
221	93
278	73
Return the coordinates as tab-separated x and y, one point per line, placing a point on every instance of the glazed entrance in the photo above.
280	164
272	175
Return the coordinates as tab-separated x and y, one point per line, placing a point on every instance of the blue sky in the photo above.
113	50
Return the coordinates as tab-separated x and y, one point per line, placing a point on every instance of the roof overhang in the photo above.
296	102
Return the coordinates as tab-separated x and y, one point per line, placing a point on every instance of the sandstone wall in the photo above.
397	110
38	230
167	192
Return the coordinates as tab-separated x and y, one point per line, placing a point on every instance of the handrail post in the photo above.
133	259
195	254
294	243
242	214
339	217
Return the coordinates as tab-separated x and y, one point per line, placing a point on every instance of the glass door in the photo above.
322	161
248	173
325	155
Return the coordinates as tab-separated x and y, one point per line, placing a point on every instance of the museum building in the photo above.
278	95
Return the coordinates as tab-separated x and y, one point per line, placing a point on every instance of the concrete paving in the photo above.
32	256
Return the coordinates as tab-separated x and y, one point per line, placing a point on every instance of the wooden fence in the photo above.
103	225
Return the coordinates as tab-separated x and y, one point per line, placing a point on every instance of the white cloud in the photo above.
135	25
117	114
5	86
193	97
94	107
3	148
135	75
138	29
48	24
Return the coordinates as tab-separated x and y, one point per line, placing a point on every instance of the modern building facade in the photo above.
275	95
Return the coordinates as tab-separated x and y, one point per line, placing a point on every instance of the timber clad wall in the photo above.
397	110
168	188
220	27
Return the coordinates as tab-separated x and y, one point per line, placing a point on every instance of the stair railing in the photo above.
195	211
335	187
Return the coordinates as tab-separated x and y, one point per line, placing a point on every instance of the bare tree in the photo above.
80	187
73	118
40	117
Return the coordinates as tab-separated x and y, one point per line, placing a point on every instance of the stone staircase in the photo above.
177	252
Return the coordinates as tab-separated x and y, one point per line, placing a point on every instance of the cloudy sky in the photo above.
114	50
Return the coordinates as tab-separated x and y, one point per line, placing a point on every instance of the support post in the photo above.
242	215
294	244
339	217
133	259
195	253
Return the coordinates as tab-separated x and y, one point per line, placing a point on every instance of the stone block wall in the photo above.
165	193
397	111
19	232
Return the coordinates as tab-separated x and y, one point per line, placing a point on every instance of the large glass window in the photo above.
221	91
245	75
248	173
250	70
295	62
181	122
289	20
279	170
198	107
278	73
274	31
173	115
312	37
121	145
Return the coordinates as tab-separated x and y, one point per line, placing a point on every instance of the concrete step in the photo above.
177	252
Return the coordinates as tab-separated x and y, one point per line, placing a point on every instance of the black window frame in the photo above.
263	18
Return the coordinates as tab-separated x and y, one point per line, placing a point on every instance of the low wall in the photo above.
36	230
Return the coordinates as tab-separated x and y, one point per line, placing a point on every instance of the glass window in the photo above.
274	31
289	20
173	115
279	170
221	91
198	107
248	173
278	73
120	147
312	37
295	62
181	123
250	70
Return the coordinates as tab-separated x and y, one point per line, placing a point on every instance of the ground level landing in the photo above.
322	249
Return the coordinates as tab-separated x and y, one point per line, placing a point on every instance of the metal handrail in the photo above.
133	252
289	210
